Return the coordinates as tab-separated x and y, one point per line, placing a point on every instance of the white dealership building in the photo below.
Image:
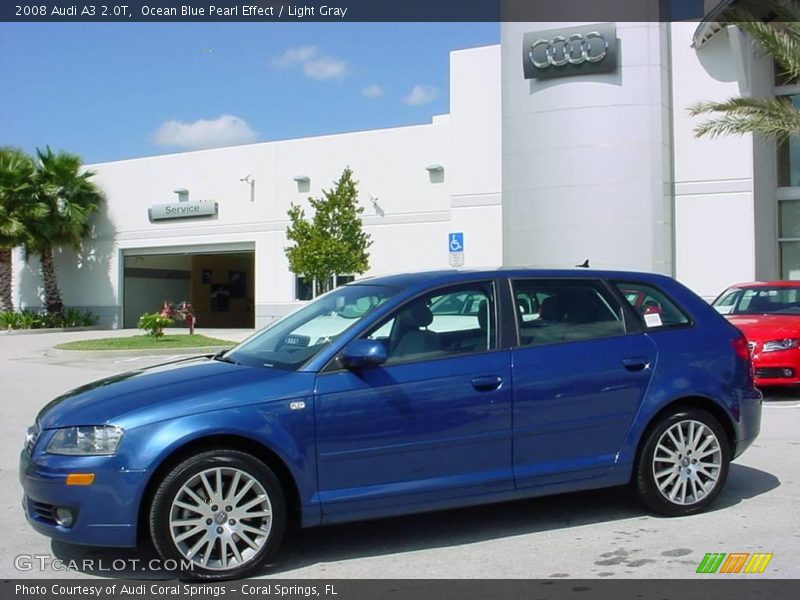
537	163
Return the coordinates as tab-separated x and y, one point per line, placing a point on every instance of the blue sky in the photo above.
113	91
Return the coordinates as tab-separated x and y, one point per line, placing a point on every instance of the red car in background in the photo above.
768	313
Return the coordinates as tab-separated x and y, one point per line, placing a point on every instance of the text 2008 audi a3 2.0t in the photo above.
396	395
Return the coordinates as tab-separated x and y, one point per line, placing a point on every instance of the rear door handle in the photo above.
487	384
635	363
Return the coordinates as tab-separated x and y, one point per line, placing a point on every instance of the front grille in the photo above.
32	437
42	511
774	373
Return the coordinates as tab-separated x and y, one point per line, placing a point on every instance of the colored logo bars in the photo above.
735	562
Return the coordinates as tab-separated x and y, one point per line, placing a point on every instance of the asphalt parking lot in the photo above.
601	534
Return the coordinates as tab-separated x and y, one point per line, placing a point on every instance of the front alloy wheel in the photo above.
223	511
683	464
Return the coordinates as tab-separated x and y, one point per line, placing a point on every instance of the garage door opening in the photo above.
219	286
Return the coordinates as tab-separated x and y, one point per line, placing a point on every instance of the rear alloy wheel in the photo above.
222	511
683	464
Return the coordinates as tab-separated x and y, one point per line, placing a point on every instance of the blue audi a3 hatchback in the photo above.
396	395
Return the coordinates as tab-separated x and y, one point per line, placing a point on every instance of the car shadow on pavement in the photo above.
744	483
781	394
454	527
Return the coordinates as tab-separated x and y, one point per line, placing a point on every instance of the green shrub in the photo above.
154	323
72	317
29	319
87	319
9	319
49	321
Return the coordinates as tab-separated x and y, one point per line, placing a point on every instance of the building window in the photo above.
790	259
343	279
788	194
789	155
782	78
789	219
304	287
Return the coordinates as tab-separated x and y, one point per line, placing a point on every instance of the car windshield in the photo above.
290	342
759	301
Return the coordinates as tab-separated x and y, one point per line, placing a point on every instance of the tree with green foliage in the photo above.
69	198
18	207
333	240
776	118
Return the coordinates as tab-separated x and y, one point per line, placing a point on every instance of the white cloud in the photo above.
227	130
372	91
294	56
325	67
420	94
314	65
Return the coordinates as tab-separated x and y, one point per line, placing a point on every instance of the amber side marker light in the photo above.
80	479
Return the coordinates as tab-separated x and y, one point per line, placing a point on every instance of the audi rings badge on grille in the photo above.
574	49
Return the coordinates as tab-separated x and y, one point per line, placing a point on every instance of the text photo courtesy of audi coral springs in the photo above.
321	417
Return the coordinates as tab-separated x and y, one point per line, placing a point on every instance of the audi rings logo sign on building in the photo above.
568	52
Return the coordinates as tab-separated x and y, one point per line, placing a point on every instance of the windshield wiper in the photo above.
219	356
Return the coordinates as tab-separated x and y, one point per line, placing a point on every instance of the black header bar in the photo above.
335	11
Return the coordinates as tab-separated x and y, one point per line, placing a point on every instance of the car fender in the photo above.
286	433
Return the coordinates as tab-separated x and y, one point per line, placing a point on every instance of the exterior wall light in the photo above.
378	208
183	194
303	183
435	173
248	179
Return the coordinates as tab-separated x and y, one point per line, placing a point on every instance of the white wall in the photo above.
475	168
714	222
586	159
409	221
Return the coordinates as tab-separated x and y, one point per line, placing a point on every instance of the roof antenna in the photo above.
584	264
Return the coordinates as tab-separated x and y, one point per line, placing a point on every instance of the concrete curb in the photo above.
59	353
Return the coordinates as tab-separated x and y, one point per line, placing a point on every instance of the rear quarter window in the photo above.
656	309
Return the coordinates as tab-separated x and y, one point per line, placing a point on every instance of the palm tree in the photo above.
70	199
776	118
16	207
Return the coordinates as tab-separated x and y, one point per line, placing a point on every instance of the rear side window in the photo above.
652	305
550	311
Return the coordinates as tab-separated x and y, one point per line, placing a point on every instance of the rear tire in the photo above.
683	464
222	510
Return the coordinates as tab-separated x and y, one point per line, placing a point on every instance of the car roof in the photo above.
758	284
444	276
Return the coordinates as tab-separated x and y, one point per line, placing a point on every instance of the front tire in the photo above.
223	511
683	463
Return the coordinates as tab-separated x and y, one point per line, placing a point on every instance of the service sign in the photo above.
182	210
579	50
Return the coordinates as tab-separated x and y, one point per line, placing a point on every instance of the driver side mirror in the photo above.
364	353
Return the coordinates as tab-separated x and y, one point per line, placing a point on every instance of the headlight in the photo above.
775	345
96	440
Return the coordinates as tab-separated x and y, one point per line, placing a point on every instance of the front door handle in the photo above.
635	363
487	384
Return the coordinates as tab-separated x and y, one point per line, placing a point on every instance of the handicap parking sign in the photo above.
456	242
455	247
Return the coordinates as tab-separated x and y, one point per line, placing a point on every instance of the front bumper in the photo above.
106	512
777	368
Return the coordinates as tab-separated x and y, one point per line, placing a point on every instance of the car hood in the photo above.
175	389
761	328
